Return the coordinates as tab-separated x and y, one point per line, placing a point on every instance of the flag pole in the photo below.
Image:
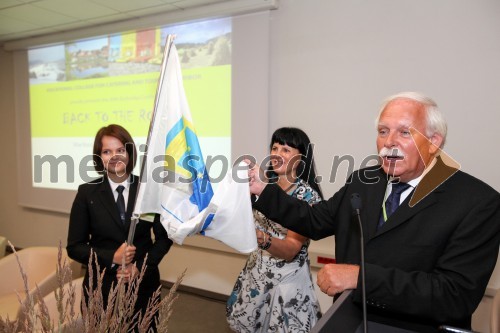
166	52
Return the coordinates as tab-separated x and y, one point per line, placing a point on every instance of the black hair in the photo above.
298	139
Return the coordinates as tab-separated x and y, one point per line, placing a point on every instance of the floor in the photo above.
195	314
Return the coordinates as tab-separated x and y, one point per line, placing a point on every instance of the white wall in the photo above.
331	64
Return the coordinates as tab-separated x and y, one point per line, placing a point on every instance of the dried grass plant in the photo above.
117	316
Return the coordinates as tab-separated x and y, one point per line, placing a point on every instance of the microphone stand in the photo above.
356	205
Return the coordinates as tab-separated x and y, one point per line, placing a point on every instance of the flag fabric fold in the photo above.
174	179
227	218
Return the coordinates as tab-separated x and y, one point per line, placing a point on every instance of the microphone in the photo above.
356	208
356	203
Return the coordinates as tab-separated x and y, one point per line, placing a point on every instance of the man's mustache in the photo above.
387	152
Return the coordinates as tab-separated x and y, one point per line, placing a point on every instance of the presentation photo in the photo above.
77	87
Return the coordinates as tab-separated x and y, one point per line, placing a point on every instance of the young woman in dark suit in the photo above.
97	225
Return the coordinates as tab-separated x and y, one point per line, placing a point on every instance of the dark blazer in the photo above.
431	261
95	224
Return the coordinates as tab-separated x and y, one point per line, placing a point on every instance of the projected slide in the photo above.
80	86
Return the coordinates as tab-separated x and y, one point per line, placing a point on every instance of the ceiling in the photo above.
20	19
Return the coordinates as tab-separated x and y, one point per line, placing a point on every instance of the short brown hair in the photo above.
121	134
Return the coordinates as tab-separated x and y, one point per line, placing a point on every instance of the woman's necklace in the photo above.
290	187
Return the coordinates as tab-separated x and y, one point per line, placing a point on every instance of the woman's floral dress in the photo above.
272	294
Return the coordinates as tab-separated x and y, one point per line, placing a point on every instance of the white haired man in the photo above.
428	260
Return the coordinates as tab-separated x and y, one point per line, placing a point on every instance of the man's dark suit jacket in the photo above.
428	264
95	225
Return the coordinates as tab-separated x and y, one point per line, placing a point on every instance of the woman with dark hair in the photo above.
274	292
101	215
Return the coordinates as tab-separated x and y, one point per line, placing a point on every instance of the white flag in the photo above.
174	180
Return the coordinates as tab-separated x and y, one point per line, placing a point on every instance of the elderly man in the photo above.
431	232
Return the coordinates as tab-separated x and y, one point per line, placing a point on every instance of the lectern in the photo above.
346	317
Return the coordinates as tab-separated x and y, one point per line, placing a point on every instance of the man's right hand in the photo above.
335	278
